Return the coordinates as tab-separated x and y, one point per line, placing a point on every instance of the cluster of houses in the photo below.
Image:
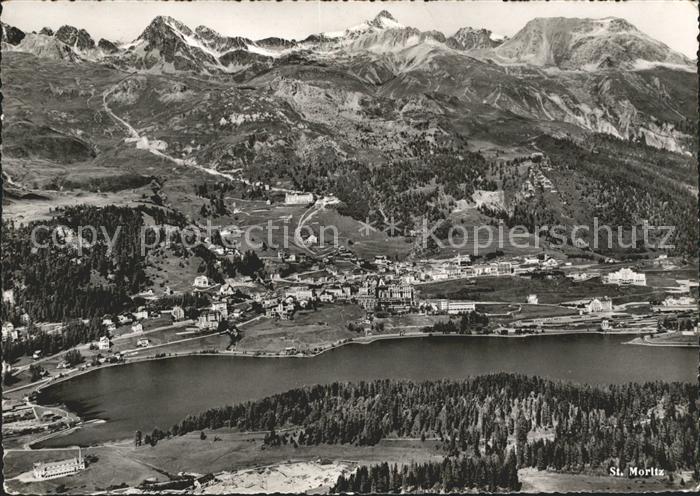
135	319
378	293
462	267
536	178
594	305
677	304
299	297
13	333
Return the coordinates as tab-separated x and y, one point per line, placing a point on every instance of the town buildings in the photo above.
376	293
396	297
221	307
300	293
677	304
209	320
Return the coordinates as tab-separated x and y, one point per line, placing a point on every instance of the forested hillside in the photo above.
550	425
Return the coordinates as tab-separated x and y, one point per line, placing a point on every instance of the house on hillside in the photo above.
124	319
141	314
209	320
201	282
178	313
104	344
626	277
8	297
221	307
227	289
298	198
300	293
597	305
9	331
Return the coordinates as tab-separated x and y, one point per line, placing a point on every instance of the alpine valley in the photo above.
391	120
349	317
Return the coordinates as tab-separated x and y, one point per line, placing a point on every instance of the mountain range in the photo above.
565	43
374	94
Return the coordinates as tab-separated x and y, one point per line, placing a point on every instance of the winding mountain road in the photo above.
136	138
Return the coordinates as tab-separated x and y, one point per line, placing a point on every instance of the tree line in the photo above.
651	424
489	473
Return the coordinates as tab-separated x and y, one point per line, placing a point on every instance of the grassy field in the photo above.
110	467
412	322
672	339
229	450
199	343
670	278
308	330
541	311
222	450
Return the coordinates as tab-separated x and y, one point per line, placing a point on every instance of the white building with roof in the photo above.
298	198
453	307
626	277
104	344
597	305
63	468
201	282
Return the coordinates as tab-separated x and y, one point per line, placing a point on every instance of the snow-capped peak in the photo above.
384	20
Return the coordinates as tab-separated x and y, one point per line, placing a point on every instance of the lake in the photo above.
159	393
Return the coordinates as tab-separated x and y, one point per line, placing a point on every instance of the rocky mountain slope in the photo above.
614	78
318	113
586	44
11	34
473	39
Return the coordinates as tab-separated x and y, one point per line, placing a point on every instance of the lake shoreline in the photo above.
643	341
380	356
361	340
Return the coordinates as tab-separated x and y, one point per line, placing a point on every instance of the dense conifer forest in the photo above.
71	278
482	420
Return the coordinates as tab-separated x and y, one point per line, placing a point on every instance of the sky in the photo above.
674	22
